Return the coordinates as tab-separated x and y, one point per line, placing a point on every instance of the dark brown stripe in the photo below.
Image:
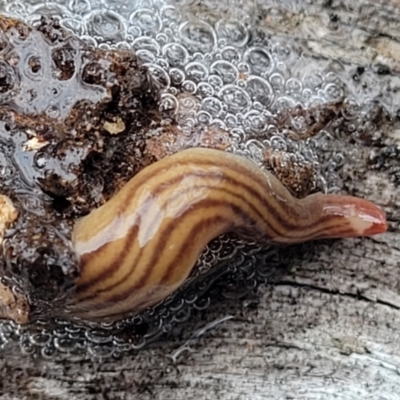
219	162
106	273
192	233
270	209
121	297
109	271
162	236
192	236
341	225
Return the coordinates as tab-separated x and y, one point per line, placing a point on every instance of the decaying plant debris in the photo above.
72	132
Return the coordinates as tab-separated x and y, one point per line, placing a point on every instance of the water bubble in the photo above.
281	67
313	81
332	77
146	20
177	76
182	315
278	143
53	112
189	86
174	90
254	122
188	104
236	98
202	304
230	54
204	117
198	36
233	31
104	46
163	64
259	59
218	124
308	94
170	14
215	82
205	89
79	6
160	77
107	25
230	121
225	70
176	54
260	90
98	336
213	106
134	31
16	8
146	43
333	91
40	339
168	103
146	56
196	71
63	345
285	103
89	40
282	50
293	85
277	81
220	43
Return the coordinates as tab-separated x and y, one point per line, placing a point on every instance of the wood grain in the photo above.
326	328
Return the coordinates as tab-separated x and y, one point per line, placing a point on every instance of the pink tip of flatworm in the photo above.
365	218
375	216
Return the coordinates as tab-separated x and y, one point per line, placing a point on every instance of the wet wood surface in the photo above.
328	328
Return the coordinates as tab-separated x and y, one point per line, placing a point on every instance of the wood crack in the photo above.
359	295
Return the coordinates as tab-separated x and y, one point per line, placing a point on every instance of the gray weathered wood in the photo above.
327	328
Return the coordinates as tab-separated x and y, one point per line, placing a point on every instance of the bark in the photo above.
327	326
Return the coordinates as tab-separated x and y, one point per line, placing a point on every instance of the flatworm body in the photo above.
141	245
